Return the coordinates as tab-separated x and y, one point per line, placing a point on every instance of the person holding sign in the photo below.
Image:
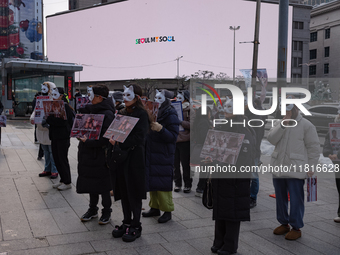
93	170
128	174
160	153
59	134
296	144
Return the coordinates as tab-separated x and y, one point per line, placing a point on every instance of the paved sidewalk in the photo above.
37	219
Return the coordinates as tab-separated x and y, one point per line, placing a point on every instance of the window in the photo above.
326	68
313	37
326	52
298	25
312	70
327	33
297	78
312	54
297	45
297	62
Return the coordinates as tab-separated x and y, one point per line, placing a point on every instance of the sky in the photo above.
107	48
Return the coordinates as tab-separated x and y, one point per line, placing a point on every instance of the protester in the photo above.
40	152
182	156
77	94
129	176
259	131
59	134
160	154
202	124
231	190
329	152
294	146
42	135
93	171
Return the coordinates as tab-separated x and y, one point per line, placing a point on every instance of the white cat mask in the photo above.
160	97
128	94
228	106
91	95
44	88
55	93
89	89
180	97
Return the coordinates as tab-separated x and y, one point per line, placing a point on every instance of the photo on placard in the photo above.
88	125
120	128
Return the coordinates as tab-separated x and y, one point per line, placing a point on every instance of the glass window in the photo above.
326	52
297	62
312	54
326	68
312	70
327	33
314	36
298	25
297	45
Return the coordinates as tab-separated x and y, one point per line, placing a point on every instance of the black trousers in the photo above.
182	156
60	156
106	202
131	206
226	235
337	181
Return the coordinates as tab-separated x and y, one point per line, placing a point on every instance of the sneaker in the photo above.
119	231
56	185
165	217
214	248
281	230
293	235
252	203
89	215
199	193
104	219
44	173
177	189
54	176
64	186
152	212
132	234
337	219
187	190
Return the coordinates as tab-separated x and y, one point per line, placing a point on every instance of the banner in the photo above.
263	78
120	128
247	76
88	125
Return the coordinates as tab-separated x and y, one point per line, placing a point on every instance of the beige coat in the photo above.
294	147
41	132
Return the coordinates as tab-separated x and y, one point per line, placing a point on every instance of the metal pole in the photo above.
79	82
256	46
234	60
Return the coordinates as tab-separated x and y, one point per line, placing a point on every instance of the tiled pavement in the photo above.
37	219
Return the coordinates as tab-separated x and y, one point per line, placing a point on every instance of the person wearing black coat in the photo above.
231	190
160	155
93	170
59	135
128	177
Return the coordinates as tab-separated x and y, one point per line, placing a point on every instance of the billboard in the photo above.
143	39
21	29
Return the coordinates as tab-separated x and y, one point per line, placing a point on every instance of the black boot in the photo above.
152	212
165	217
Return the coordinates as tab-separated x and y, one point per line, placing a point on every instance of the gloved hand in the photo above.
44	123
155	126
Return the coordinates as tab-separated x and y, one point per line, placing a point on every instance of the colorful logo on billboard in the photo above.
155	39
21	29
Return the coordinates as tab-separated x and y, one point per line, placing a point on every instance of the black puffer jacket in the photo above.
93	171
231	190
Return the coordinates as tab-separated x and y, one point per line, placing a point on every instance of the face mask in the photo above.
180	97
91	96
89	89
55	94
128	94
160	98
228	106
44	88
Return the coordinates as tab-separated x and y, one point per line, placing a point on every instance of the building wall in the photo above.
322	18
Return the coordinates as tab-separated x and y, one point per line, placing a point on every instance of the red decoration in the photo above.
20	50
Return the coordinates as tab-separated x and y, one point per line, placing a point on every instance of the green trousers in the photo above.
161	200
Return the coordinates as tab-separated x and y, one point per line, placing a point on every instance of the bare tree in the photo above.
148	86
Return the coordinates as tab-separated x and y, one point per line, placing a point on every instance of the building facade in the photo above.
324	51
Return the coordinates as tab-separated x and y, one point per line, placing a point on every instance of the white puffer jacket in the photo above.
42	133
294	147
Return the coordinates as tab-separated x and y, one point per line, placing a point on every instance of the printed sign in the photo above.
82	102
152	108
55	108
312	194
222	146
178	107
88	125
3	120
39	108
334	136
120	128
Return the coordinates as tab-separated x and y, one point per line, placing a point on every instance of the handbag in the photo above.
207	198
119	155
195	154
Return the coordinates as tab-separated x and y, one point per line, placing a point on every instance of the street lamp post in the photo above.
234	29
177	59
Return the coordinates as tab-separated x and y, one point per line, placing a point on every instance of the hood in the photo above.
105	105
